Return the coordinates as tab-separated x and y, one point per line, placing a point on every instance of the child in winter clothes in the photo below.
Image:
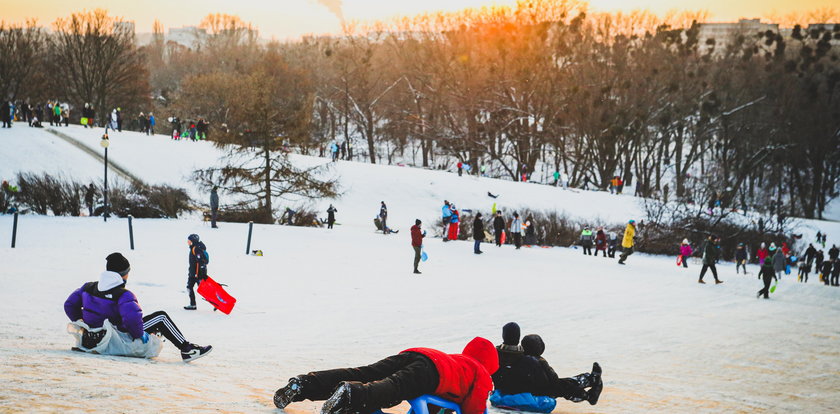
601	242
685	252
711	252
549	383
741	258
825	271
108	298
761	254
197	270
767	273
804	269
462	378
779	260
516	230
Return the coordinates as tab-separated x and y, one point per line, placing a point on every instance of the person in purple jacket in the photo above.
108	298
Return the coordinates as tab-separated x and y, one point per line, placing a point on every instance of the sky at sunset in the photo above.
284	19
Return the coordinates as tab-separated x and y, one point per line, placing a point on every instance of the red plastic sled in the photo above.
679	260
213	292
502	239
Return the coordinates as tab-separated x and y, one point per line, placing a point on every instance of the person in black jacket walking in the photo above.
741	258
499	227
214	206
331	216
710	256
197	271
478	233
767	273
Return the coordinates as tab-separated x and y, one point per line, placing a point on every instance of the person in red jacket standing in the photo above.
417	243
461	378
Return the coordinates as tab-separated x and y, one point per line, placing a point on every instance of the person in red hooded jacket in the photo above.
461	378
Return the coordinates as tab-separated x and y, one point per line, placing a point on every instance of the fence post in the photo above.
250	230
14	230
130	231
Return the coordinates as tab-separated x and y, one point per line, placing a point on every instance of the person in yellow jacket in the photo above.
628	242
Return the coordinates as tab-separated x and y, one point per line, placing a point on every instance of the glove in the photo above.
145	337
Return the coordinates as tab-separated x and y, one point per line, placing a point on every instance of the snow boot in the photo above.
191	352
292	392
339	401
701	281
190	307
417	272
717	282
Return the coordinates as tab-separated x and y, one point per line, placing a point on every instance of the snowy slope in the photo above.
320	299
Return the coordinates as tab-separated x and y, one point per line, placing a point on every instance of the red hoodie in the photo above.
465	377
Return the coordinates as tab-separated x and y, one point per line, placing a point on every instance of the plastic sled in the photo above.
424	256
503	239
679	260
214	293
420	405
523	402
773	288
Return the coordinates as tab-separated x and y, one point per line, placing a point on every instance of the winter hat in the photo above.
533	345
685	241
632	221
193	238
417	221
772	247
116	262
510	333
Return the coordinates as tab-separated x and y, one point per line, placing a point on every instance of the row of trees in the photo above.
750	122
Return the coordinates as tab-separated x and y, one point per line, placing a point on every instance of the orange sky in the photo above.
284	19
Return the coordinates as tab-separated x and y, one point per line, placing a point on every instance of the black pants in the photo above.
160	323
766	290
742	264
499	237
416	256
604	251
627	251
587	250
835	276
611	251
685	262
712	267
330	223
191	282
384	384
517	240
214	214
7	124
573	389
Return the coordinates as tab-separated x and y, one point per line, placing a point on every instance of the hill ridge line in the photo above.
95	154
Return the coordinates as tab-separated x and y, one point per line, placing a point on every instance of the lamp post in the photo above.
104	143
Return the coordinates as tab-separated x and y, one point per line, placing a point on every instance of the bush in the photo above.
244	215
305	216
45	194
147	201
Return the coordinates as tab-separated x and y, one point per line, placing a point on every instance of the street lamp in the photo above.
104	143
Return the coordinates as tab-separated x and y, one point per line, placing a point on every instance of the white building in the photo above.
719	36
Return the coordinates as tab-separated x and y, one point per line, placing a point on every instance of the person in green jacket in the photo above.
711	252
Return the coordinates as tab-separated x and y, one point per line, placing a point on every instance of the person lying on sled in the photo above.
461	378
94	304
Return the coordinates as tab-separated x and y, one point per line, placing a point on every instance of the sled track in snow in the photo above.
124	173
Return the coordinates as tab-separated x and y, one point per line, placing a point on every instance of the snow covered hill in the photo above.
322	298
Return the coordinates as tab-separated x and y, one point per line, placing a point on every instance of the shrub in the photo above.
143	201
45	194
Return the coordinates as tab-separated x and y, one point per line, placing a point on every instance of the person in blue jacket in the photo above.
108	298
446	214
197	271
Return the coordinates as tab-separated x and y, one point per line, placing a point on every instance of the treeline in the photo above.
749	122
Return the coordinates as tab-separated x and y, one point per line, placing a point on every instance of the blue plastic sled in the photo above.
424	256
523	402
420	405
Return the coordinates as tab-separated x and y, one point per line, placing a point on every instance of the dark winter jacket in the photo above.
331	213
825	269
478	229
5	114
416	236
383	212
523	375
465	378
586	238
115	303
214	200
198	261
810	253
710	253
833	252
766	270
779	261
498	224
741	254
836	270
